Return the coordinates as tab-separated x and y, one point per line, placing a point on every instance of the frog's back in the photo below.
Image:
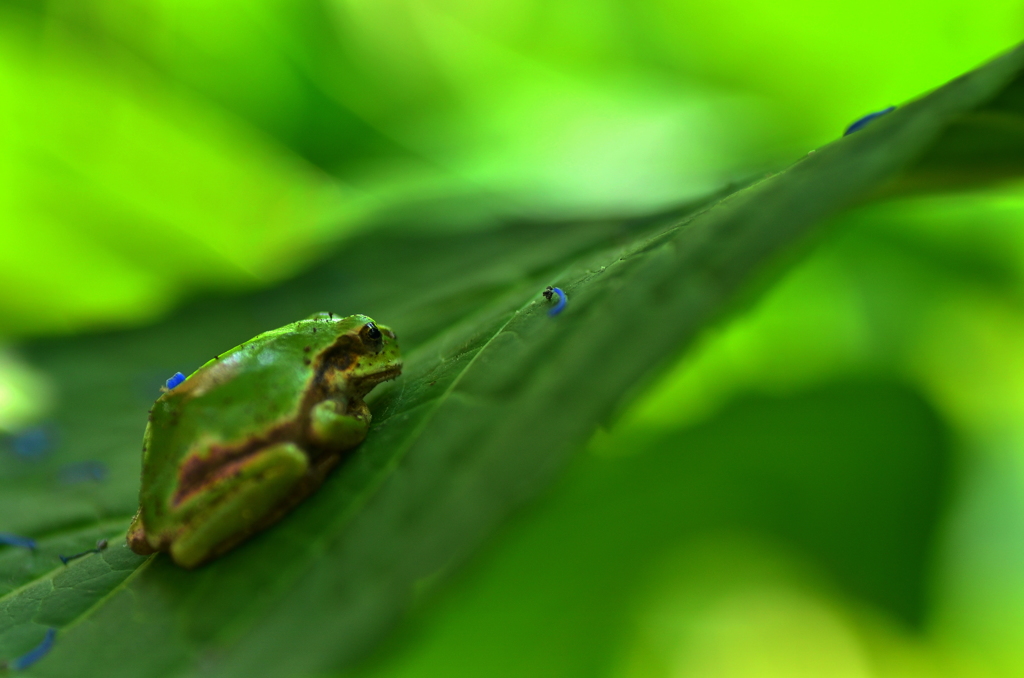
238	401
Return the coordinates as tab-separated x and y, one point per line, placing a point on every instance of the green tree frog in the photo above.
254	431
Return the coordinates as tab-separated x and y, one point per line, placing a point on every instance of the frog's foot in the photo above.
335	426
137	540
255	495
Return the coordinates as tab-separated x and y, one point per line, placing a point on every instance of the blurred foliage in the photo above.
829	483
779	511
151	148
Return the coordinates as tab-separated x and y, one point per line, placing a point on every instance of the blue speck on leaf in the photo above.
83	471
35	654
15	540
175	380
866	119
33	443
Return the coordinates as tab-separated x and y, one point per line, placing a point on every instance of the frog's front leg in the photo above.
337	426
240	503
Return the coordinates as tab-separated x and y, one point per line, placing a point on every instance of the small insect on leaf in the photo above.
562	300
175	380
100	545
32	656
15	540
863	122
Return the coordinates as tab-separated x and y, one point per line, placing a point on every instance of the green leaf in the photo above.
42	591
496	397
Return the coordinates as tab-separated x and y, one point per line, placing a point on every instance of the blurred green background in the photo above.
830	484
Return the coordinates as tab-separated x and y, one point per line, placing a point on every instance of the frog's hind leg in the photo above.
251	498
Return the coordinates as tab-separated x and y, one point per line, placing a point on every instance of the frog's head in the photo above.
366	353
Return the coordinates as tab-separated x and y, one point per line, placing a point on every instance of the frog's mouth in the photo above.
366	382
371	380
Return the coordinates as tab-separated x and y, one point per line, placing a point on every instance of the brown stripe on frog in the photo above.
318	470
197	472
224	460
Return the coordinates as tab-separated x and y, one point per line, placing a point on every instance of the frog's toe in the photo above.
137	540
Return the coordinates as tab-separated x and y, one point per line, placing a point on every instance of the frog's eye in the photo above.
372	337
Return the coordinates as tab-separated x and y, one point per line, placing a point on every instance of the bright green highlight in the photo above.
152	148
